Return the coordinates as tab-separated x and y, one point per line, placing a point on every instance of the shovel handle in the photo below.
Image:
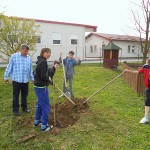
64	72
103	87
65	95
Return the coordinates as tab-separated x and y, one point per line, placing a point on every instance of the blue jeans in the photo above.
42	105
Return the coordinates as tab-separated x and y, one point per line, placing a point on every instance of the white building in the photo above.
62	37
129	44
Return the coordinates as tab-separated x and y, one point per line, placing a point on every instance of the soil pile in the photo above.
67	114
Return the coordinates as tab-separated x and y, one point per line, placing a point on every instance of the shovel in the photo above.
65	82
103	87
64	94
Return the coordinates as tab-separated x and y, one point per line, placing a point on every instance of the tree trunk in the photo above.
144	57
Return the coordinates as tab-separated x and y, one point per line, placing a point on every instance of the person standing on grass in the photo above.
20	71
69	63
41	83
146	71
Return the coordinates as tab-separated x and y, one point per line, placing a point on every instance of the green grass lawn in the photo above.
111	123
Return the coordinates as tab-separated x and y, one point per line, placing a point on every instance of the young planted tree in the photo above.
141	19
14	32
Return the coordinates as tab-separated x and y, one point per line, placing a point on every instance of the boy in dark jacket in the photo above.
51	70
69	63
41	83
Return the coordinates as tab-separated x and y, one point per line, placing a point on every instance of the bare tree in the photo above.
141	19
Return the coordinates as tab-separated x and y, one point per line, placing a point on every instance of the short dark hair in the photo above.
71	52
43	50
24	46
56	62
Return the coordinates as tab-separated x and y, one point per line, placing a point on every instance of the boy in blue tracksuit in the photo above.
41	83
69	63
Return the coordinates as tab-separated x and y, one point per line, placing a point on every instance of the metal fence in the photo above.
134	80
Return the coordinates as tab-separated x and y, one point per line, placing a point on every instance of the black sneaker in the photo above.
47	128
37	123
26	110
16	113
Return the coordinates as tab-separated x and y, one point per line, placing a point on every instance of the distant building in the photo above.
130	46
62	37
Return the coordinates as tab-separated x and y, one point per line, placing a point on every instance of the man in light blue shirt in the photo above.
20	71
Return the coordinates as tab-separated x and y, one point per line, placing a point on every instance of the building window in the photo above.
95	48
133	49
56	38
57	42
74	39
91	49
38	39
12	38
129	48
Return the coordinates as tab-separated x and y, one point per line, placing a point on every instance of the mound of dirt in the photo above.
55	130
62	115
67	114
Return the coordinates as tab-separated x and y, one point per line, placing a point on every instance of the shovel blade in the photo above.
68	94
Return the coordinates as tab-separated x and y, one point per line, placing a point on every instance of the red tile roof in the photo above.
62	23
66	23
115	37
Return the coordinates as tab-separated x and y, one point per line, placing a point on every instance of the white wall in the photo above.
65	46
124	52
95	40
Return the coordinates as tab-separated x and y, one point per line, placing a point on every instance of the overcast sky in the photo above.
111	16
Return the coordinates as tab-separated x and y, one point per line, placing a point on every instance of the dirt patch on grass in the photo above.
24	121
62	115
67	114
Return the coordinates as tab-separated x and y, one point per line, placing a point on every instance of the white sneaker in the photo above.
47	128
144	120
